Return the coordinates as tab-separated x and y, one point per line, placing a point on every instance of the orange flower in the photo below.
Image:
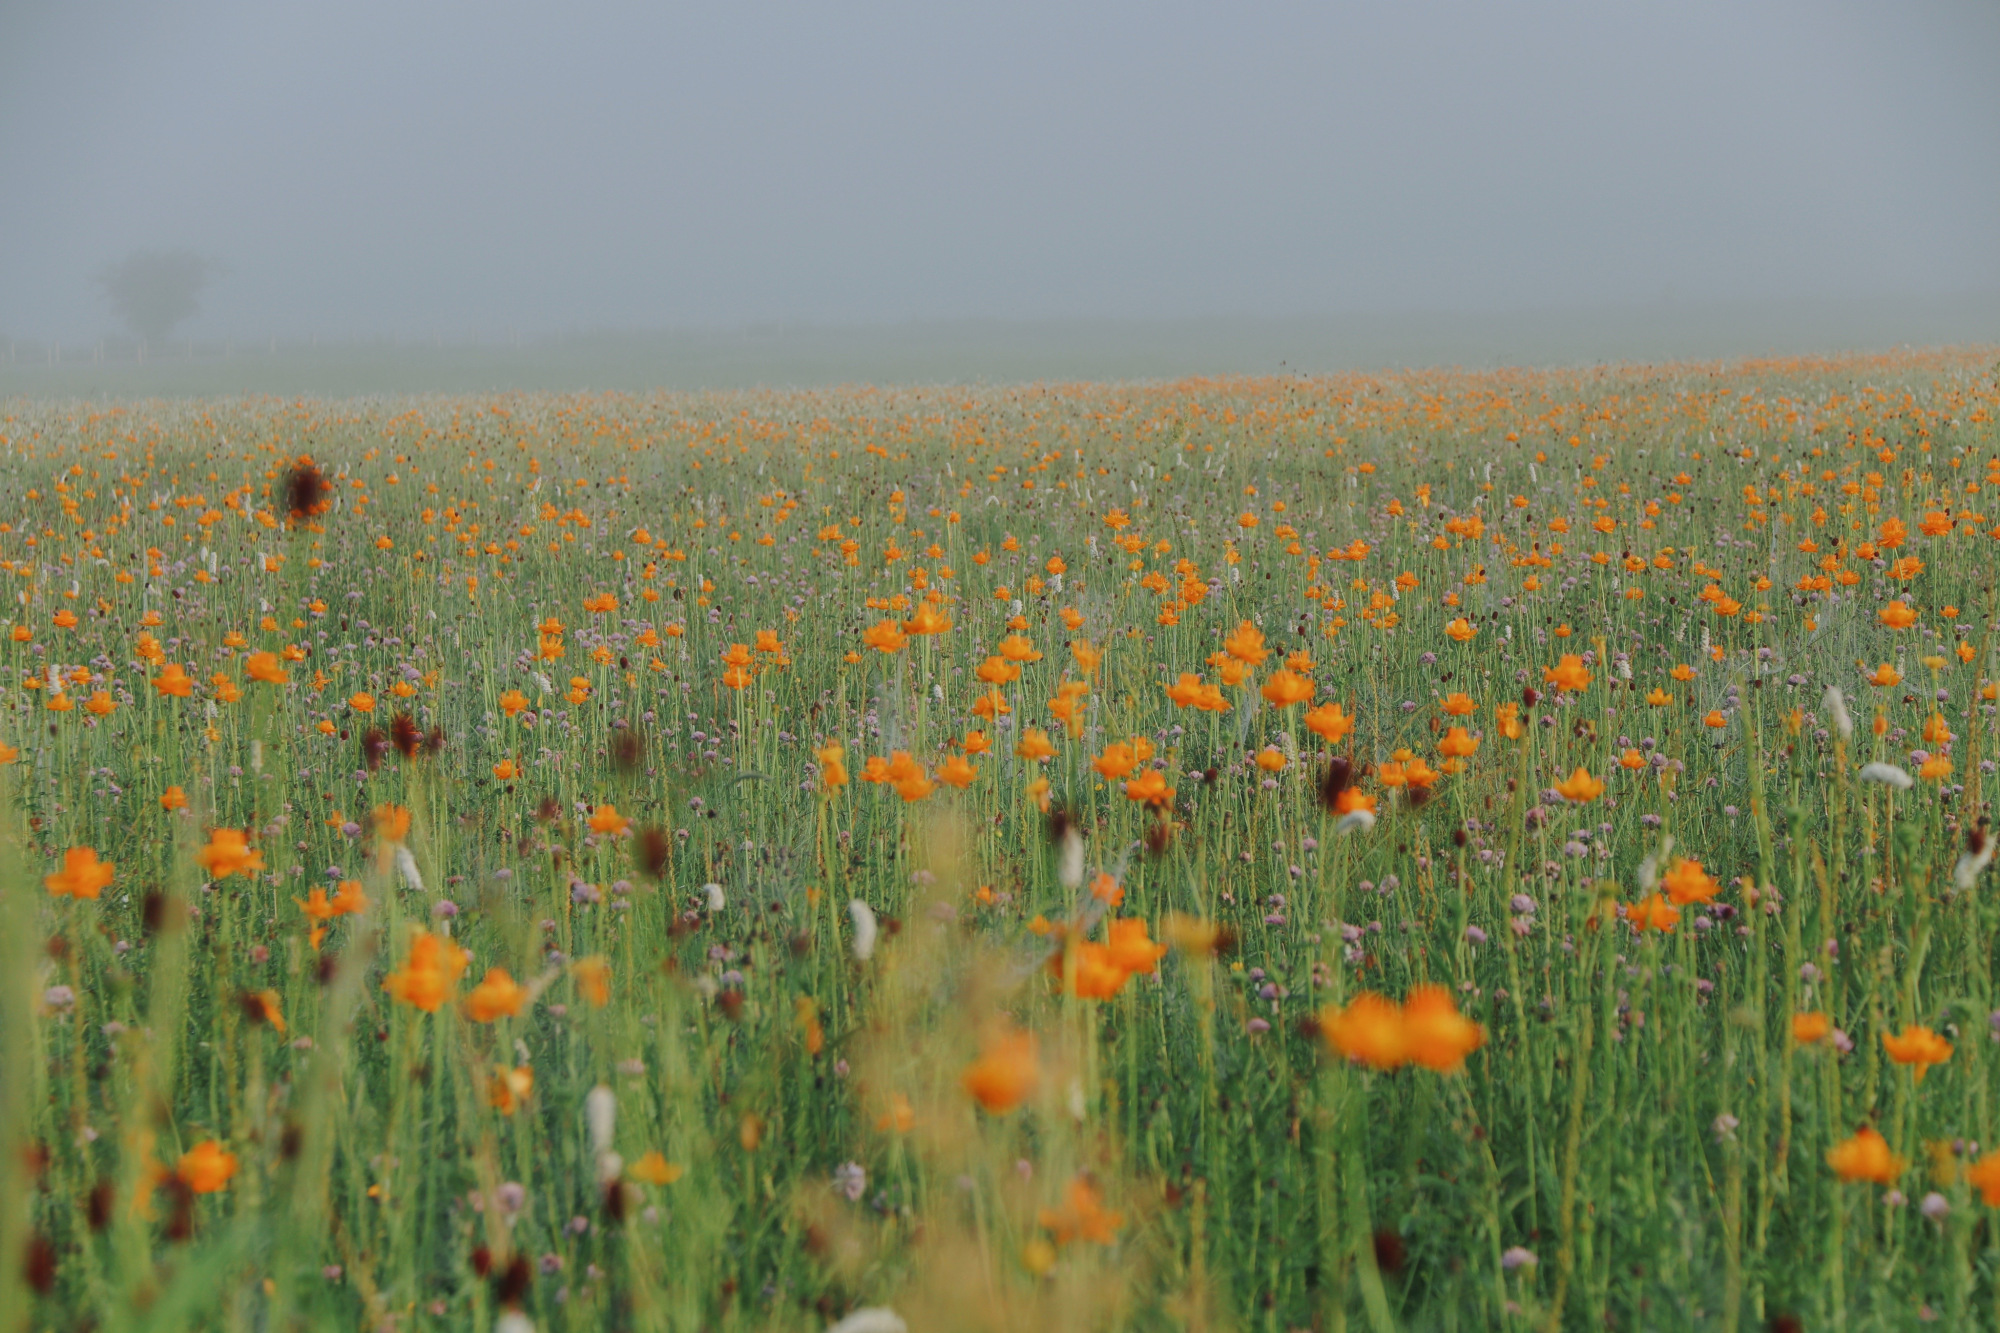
956	772
1459	704
82	875
316	906
1897	615
513	702
1917	1045
927	620
607	822
885	637
1017	648
1116	761
1653	914
1985	1175
1866	1156
593	979
510	1087
392	823
997	671
362	702
1082	1216
1151	788
1130	949
1458	744
1435	1034
1368	1029
1810	1027
506	770
1580	787
1568	674
1006	1072
206	1168
1034	745
173	798
1246	645
174	681
1460	629
1715	719
1329	721
228	853
1686	882
1088	970
265	667
433	965
1286	687
496	996
100	704
976	743
832	765
654	1169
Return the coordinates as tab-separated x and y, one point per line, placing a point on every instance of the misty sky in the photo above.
415	168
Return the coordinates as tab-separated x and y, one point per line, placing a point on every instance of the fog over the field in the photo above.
418	169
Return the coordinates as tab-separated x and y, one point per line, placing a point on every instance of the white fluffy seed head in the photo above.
1355	821
1069	870
711	894
864	929
1887	774
1835	704
872	1319
600	1110
1966	873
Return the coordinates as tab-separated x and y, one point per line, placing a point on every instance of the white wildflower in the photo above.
1835	704
406	865
711	893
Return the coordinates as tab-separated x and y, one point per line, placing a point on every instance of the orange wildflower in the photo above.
82	875
228	853
1006	1072
1866	1156
497	995
1917	1045
206	1168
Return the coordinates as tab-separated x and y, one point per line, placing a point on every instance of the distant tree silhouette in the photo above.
153	290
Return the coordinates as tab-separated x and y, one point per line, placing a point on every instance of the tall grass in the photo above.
714	1106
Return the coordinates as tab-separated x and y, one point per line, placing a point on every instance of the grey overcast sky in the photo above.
413	168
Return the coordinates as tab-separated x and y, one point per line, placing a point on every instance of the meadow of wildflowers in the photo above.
1424	851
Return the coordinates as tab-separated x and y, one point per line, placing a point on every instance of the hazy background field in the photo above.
971	351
